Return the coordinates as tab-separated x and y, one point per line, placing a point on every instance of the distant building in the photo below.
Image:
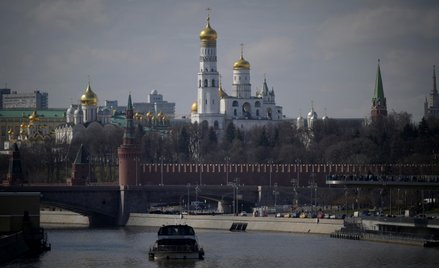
431	105
3	91
155	105
25	100
25	125
379	106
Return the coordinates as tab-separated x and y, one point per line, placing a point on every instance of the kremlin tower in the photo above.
128	152
379	107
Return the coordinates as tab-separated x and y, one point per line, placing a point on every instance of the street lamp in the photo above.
227	169
297	169
161	171
188	185
270	162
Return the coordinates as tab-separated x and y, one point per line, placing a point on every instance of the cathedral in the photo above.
215	106
78	117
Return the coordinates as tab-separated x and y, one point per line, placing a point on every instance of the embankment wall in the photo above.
220	222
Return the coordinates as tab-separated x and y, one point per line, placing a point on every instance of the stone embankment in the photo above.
59	218
223	222
218	222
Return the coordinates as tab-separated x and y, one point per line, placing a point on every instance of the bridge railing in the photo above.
384	178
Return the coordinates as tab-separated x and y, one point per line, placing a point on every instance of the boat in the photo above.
176	242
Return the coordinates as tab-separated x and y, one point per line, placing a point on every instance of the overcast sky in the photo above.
321	51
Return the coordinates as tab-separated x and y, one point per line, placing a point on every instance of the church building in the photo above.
218	108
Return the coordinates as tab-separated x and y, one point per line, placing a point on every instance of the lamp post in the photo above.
161	170
188	185
227	169
271	169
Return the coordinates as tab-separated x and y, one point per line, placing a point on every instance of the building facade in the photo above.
431	105
217	108
24	125
25	100
155	105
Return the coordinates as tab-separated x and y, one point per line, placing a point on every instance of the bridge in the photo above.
111	205
371	181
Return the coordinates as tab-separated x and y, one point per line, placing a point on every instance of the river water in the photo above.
127	247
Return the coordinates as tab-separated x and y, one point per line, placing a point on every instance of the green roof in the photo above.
49	113
379	91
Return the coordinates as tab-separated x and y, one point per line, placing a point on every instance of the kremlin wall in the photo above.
259	174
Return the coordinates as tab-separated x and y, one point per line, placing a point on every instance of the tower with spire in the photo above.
431	105
379	106
128	152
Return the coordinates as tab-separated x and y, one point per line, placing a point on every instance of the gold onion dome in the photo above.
89	97
241	64
33	116
208	34
194	107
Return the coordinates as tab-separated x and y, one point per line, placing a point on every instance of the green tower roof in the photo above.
379	91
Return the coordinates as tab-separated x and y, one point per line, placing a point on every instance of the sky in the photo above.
323	52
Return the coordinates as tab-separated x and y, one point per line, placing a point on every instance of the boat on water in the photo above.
176	242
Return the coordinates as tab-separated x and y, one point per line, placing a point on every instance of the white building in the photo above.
78	117
155	105
34	100
217	108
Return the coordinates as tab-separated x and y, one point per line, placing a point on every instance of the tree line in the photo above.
389	140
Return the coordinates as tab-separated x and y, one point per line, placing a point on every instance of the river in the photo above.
127	247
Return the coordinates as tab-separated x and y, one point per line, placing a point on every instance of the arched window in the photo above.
205	82
257	104
213	82
235	104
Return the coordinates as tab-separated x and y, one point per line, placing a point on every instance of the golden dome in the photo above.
208	34
23	125
241	64
10	132
149	114
89	97
33	116
194	108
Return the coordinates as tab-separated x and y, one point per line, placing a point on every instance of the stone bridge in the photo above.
111	205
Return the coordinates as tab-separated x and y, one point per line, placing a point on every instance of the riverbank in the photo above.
218	222
224	222
50	218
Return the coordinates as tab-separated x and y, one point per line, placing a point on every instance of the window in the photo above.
235	104
257	112
257	104
213	82
205	82
215	125
199	83
206	101
235	113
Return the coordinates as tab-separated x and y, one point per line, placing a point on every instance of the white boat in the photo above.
176	242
